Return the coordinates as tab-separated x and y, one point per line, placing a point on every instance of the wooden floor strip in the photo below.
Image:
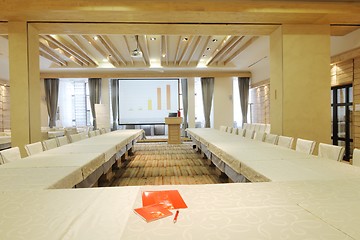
165	164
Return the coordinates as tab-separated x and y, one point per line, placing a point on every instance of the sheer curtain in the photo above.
95	95
51	96
184	90
115	102
244	83
207	87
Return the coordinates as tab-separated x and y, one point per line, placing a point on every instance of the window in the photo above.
74	102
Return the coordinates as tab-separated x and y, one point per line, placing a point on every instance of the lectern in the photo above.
174	129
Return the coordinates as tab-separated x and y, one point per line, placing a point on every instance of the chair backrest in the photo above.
259	136
271	138
84	135
267	128
10	155
92	134
249	134
34	148
223	128
284	141
229	129
356	157
234	131
331	151
102	131
61	141
97	132
50	144
241	132
75	137
306	146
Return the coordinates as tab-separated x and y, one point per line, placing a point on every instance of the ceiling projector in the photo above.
136	53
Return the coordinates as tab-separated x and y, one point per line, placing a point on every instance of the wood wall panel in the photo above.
260	103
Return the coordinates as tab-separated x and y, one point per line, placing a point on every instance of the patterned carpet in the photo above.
165	164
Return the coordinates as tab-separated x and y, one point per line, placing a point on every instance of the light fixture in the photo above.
164	55
185	39
208	49
152	38
136	53
214	40
204	55
95	38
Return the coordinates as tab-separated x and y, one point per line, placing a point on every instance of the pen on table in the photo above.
176	216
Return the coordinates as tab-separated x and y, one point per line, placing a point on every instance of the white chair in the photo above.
223	128
61	141
229	129
331	151
34	148
10	155
84	135
234	131
356	157
241	132
75	137
97	132
284	141
249	134
267	128
102	131
50	144
92	134
271	138
306	146
259	136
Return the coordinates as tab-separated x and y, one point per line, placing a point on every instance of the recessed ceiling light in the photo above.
204	55
214	40
208	49
89	42
185	39
96	38
153	38
164	55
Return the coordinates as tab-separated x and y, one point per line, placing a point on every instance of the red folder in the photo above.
169	199
153	212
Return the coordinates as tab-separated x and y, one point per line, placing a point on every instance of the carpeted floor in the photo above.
163	164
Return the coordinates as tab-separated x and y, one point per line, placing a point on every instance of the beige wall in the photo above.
301	60
223	103
191	103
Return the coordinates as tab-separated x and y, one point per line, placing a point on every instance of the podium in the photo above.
174	129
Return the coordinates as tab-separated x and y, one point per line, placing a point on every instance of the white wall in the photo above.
345	43
223	103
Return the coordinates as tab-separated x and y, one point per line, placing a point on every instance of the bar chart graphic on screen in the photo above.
147	101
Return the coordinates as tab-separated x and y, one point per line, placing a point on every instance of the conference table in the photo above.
290	203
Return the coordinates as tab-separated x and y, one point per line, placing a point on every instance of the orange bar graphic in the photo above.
168	99
158	98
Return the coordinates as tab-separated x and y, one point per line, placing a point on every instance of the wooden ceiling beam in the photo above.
229	45
128	48
145	60
230	48
51	55
94	43
194	49
204	49
186	49
81	48
242	48
50	58
111	49
69	52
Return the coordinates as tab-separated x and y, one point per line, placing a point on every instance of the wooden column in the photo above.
24	84
300	82
223	102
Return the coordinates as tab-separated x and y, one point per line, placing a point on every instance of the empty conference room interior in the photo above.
246	112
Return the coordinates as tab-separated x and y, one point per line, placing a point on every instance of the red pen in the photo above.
176	216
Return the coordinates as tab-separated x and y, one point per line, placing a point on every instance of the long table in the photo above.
281	207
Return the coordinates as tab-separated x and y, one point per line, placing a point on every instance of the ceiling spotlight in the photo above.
95	38
185	39
214	40
208	49
204	55
153	38
164	55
